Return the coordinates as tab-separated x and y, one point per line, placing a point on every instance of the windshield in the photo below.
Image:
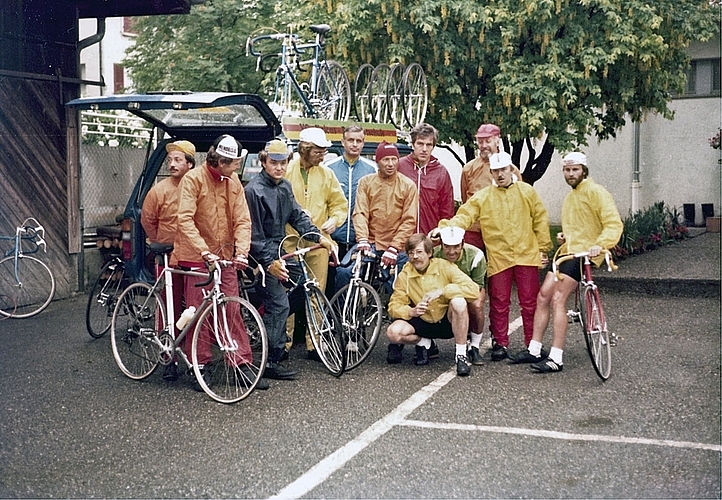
233	115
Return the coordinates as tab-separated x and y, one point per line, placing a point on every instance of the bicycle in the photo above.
360	309
27	285
324	327
143	335
589	313
327	94
394	93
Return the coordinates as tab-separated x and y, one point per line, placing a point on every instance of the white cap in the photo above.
229	147
452	235
316	136
575	158
499	160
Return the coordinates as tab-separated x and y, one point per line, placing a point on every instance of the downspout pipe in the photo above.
93	39
635	170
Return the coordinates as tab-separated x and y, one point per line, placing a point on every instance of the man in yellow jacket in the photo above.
429	302
590	222
515	226
319	193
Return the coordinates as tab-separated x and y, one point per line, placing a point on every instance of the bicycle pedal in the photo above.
612	339
573	316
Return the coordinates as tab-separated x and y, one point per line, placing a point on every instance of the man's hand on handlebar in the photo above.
210	257
595	250
278	270
240	262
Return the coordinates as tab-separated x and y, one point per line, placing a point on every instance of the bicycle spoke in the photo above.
326	336
28	284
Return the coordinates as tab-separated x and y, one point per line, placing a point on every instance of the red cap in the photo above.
386	149
488	130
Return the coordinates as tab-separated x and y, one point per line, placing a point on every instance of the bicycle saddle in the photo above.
321	29
161	248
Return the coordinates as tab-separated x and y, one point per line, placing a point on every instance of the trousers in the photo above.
526	279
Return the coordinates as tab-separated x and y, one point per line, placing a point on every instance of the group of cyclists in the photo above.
447	261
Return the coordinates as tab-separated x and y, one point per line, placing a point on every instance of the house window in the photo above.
129	26
703	78
118	78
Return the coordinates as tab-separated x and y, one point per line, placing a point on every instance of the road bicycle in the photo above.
143	334
321	320
589	313
27	284
392	93
327	93
108	286
360	307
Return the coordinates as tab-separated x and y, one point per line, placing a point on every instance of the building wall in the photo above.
99	59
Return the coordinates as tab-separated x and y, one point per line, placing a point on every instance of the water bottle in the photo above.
185	317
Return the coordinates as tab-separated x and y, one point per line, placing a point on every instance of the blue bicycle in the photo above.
26	284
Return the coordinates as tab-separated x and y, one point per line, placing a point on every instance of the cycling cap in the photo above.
575	158
315	136
488	130
386	149
185	147
452	235
277	150
228	147
499	160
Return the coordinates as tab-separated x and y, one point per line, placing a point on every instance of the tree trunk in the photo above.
535	166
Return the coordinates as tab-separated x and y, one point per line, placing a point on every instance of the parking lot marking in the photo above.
322	470
561	435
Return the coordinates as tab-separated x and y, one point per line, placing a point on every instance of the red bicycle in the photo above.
589	312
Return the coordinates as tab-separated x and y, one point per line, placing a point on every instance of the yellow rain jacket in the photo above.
411	286
514	224
319	195
590	217
212	215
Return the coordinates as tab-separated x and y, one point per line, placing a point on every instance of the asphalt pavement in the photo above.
72	426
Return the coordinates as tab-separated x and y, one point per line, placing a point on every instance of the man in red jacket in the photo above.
432	179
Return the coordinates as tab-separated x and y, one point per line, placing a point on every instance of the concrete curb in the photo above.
661	286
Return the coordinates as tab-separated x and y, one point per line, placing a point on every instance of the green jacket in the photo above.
472	262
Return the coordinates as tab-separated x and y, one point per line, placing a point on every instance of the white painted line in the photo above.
515	325
322	470
562	435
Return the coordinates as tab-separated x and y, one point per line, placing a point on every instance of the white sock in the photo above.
461	350
425	343
556	355
535	348
475	339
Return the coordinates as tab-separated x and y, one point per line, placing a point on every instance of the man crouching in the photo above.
429	302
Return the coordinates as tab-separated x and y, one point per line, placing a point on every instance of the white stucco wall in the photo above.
99	58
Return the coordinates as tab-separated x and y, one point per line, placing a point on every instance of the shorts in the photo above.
572	268
440	330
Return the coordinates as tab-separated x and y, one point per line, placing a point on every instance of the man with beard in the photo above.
476	174
590	222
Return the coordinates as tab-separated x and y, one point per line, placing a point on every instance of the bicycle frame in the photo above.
34	235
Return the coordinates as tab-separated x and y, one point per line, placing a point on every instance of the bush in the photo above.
648	229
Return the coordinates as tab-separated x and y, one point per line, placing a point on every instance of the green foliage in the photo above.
650	228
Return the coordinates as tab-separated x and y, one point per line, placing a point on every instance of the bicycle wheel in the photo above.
134	330
416	97
333	93
358	309
326	335
221	369
596	334
102	297
394	95
31	292
361	92
377	93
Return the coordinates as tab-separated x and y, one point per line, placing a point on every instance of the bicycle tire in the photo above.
416	94
377	93
134	330
395	95
360	315
34	292
109	284
225	378
596	335
323	327
361	92
333	93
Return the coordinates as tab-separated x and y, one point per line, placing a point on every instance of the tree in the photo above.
202	51
550	73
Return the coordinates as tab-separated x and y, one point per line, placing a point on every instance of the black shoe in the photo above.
277	371
170	372
206	374
462	367
498	352
262	384
313	355
526	357
547	366
394	355
433	351
422	356
284	356
474	356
